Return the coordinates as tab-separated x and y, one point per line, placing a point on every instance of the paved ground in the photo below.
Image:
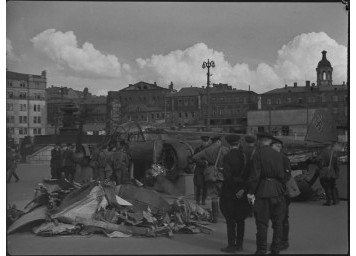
314	230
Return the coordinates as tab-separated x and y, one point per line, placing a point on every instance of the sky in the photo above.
107	45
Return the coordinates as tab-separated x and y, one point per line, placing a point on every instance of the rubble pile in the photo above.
63	208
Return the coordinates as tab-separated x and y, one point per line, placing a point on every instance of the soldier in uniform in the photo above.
233	201
208	156
98	162
199	181
56	162
328	173
69	163
121	163
249	150
12	159
277	145
267	187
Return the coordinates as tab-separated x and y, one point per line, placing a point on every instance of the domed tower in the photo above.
324	71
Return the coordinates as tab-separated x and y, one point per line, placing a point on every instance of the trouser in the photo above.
55	172
200	192
331	192
235	212
12	172
285	239
69	172
269	209
121	176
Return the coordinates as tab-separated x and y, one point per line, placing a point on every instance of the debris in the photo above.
116	234
52	229
38	214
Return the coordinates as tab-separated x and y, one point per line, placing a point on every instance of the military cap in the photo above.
264	135
275	141
215	138
249	139
205	138
232	139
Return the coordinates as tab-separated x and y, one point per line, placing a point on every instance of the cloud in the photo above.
86	60
295	61
10	56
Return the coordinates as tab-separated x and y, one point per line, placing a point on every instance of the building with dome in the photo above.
288	110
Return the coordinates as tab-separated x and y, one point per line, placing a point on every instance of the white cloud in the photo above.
295	61
86	60
10	56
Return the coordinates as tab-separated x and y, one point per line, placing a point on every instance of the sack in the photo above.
292	187
212	174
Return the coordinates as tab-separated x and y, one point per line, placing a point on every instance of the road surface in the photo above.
314	229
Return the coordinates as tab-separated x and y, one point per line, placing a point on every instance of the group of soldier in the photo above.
254	177
108	162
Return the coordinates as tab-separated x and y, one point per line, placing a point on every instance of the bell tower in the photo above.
324	72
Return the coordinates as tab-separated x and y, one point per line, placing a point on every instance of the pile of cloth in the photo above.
60	207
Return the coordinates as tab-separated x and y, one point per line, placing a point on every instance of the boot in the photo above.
328	197
261	245
335	196
229	249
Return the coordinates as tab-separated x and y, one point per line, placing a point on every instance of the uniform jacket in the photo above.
120	160
99	159
56	158
68	158
268	175
210	154
235	174
323	164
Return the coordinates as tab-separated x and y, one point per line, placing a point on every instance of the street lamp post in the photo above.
208	64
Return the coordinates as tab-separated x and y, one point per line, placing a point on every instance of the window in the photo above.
23	131
23	107
23	85
157	115
268	101
323	98
285	130
10	84
11	130
179	102
162	115
152	116
261	128
9	107
22	119
237	99
10	95
335	98
23	95
185	102
300	100
193	114
278	101
222	99
346	98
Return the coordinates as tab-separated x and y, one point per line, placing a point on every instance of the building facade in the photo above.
26	109
137	102
324	94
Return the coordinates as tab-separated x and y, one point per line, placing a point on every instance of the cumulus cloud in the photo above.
10	56
86	60
295	61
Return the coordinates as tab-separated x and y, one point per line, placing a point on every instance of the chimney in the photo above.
44	73
343	83
295	84
171	86
307	84
285	86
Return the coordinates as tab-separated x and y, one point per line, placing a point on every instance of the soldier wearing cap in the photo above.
267	187
56	161
121	163
233	201
277	145
68	162
199	181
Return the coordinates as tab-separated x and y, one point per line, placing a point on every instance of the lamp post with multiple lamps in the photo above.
208	64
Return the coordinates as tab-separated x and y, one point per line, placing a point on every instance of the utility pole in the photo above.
208	65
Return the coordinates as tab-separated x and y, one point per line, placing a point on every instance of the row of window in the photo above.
23	131
23	107
186	102
23	119
23	95
230	99
335	98
186	114
23	84
139	98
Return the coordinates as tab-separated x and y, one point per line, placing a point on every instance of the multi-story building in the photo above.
95	121
323	94
137	102
26	110
185	107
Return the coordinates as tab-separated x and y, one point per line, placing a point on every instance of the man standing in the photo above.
233	201
69	163
121	163
249	150
199	181
12	159
277	145
208	157
98	162
267	186
328	173
56	157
